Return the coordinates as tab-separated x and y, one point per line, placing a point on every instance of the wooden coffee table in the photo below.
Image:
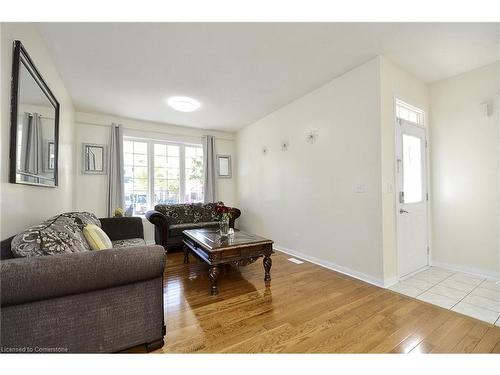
239	249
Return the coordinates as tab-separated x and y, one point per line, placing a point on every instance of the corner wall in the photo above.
465	165
320	201
22	205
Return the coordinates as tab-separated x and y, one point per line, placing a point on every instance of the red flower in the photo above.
221	209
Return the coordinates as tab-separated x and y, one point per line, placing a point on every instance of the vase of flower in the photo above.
224	226
224	217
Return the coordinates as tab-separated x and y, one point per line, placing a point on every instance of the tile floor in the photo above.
466	294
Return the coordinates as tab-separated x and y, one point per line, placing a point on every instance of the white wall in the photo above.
394	83
465	176
304	199
90	190
23	205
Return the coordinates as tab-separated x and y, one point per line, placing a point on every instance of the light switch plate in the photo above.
360	188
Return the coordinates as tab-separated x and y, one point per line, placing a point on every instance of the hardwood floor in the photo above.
307	309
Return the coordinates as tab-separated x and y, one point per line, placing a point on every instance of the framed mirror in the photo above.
94	158
34	125
224	166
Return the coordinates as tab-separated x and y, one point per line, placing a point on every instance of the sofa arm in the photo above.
235	213
38	278
161	223
122	228
157	218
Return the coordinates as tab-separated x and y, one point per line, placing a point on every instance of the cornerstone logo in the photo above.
32	349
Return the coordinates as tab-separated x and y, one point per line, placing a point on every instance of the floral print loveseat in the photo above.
171	219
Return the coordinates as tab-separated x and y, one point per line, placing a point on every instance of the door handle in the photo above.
401	211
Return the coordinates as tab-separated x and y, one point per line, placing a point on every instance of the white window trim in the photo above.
419	111
151	168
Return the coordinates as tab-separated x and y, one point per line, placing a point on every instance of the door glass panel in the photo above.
412	169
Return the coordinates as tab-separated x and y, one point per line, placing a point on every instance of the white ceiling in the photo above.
241	72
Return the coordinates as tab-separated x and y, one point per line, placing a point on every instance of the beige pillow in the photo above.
96	237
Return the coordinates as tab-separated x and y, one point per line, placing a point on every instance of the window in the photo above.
161	172
166	181
412	169
193	165
409	113
135	161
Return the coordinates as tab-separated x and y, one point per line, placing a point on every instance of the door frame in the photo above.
425	127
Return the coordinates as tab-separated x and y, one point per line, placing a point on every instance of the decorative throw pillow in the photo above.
58	235
96	237
83	218
209	212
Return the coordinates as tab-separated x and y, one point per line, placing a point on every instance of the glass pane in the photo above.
128	159
160	149
173	150
412	169
140	160
129	172
160	184
408	114
140	148
140	184
173	189
139	202
160	173
141	172
190	152
173	174
173	162
128	146
129	185
160	161
194	174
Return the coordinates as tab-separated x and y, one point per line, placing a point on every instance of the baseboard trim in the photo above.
469	270
332	266
390	282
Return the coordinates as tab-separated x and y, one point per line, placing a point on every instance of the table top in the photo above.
211	239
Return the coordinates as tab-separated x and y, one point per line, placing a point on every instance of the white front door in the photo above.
411	207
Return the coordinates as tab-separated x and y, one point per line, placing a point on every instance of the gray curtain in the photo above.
32	159
116	170
210	167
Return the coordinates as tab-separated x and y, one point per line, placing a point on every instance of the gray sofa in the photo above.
92	301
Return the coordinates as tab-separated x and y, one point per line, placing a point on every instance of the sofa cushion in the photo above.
96	237
58	235
128	242
176	229
177	213
205	212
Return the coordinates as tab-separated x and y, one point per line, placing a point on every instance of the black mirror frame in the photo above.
16	61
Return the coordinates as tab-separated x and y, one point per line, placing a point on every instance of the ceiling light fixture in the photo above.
183	103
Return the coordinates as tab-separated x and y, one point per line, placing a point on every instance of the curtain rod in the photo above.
159	131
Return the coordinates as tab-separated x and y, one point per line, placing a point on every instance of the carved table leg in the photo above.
214	274
267	267
186	254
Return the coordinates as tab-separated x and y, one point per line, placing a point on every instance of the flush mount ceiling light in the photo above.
183	103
